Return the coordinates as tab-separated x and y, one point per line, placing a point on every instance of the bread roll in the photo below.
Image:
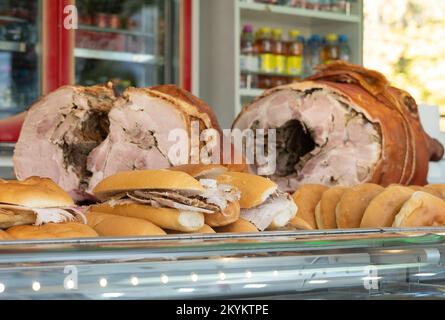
108	225
4	236
204	230
307	197
353	203
437	190
325	211
201	171
220	219
421	210
164	218
299	224
147	180
240	226
52	231
383	209
254	189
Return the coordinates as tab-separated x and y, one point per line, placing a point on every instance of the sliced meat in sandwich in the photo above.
207	174
38	208
262	203
172	200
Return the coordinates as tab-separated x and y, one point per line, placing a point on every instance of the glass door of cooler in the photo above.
130	42
19	57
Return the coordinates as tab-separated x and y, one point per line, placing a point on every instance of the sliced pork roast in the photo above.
140	124
344	126
59	132
78	136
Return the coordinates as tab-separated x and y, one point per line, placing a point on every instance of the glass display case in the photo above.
365	264
19	56
127	42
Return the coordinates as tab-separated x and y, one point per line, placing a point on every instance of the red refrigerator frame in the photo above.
58	56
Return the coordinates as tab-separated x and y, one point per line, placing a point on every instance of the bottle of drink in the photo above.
279	51
266	58
264	46
344	48
315	51
294	63
331	50
248	58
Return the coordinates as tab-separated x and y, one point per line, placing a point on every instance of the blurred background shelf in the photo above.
119	31
117	56
309	15
12	46
251	93
11	19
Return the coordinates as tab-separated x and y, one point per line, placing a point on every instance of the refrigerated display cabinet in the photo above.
365	264
19	55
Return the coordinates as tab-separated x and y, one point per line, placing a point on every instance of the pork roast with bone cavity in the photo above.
344	126
78	136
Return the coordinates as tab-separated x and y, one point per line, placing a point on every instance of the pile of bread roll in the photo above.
197	199
371	206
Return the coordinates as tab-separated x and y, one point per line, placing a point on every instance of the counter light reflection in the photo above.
103	282
36	286
2	287
164	279
134	281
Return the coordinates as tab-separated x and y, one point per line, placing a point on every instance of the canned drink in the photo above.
101	20
114	21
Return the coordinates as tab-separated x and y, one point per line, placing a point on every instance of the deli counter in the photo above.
365	264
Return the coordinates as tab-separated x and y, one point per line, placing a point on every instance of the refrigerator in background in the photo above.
131	43
19	57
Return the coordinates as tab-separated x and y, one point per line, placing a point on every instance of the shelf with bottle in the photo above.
12	19
268	60
13	46
340	10
136	33
118	56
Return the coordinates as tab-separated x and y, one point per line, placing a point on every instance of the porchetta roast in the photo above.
78	136
345	125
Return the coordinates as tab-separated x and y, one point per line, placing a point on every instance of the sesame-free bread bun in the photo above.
299	224
223	218
383	209
202	171
165	218
254	189
34	192
240	226
306	198
421	210
52	231
325	210
353	203
147	180
108	225
436	189
204	230
4	236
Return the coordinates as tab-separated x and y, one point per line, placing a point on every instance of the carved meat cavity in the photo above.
343	126
78	136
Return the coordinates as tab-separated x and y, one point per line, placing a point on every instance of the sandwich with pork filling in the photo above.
172	200
262	203
38	208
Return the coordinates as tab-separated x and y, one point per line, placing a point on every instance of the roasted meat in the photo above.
59	132
78	136
344	126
